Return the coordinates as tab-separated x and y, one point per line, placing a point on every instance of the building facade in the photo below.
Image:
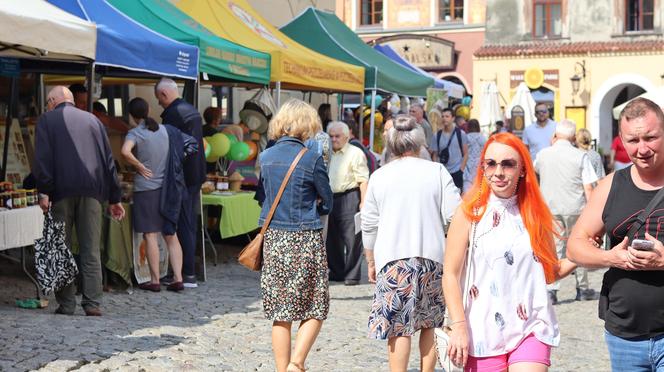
582	58
439	36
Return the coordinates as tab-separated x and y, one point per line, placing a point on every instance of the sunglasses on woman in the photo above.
491	165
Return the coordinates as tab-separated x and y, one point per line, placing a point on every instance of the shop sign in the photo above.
423	51
10	67
534	78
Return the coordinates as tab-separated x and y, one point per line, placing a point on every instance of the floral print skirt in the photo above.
408	297
294	280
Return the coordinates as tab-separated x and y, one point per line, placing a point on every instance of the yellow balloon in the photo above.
463	111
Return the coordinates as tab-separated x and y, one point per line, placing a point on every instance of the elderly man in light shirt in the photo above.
566	180
349	175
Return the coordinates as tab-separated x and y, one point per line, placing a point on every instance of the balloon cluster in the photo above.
463	110
227	145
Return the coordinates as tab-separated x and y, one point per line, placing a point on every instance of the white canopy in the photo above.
523	98
37	29
656	96
490	111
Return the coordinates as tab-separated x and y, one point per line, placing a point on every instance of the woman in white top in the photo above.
408	202
508	322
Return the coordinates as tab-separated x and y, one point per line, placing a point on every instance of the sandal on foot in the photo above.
292	367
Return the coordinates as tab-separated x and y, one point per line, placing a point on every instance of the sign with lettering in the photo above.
423	51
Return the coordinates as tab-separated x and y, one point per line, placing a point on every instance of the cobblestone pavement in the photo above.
220	327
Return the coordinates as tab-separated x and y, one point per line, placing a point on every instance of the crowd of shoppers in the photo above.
532	209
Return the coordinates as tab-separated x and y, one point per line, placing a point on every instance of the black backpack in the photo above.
444	154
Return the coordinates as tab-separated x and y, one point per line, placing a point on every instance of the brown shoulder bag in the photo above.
251	256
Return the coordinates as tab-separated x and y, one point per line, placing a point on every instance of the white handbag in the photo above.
442	335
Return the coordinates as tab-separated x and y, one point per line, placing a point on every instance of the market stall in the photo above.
49	39
326	34
218	57
293	66
123	43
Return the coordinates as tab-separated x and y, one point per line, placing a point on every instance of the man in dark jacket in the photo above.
75	173
185	117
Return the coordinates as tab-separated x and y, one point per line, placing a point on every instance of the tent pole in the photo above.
360	119
277	85
41	95
13	88
373	119
91	83
340	114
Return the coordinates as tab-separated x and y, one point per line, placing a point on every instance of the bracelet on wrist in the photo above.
457	322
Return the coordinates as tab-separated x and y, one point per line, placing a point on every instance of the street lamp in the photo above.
576	79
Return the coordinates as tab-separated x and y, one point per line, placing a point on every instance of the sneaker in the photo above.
553	297
92	311
587	294
189	281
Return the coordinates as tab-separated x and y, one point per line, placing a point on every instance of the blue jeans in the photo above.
642	355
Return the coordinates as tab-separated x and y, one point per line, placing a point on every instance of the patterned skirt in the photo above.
408	297
294	280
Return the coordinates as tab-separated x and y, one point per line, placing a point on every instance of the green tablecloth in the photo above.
239	215
119	246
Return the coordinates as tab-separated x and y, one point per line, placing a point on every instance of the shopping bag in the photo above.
54	262
442	339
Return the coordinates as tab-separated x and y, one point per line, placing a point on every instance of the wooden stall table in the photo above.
19	228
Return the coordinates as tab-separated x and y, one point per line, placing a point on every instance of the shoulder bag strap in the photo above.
458	133
641	218
469	259
281	190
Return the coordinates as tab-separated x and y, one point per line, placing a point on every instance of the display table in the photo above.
239	215
20	227
124	250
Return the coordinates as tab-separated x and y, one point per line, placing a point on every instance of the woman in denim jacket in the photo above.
294	281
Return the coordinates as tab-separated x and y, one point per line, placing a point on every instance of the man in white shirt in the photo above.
538	135
566	179
349	176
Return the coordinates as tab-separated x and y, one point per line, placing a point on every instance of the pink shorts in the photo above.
530	350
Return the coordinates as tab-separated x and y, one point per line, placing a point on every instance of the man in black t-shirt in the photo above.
632	296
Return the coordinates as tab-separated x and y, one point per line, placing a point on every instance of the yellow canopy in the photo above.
294	65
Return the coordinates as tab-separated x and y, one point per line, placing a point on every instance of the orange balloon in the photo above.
253	150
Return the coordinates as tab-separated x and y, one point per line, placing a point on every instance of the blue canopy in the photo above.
121	42
453	89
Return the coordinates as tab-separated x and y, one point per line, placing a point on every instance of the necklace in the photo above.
497	218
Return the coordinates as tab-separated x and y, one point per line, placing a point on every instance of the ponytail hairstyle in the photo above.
139	109
536	215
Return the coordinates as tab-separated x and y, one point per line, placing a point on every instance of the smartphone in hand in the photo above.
643	245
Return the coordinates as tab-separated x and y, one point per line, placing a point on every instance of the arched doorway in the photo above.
614	91
457	79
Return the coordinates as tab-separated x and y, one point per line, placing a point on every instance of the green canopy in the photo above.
218	57
326	34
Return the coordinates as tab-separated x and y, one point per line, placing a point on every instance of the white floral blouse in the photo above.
507	298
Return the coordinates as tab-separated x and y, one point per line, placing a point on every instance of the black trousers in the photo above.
344	247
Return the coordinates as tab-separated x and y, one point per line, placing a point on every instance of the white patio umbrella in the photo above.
490	111
523	98
656	96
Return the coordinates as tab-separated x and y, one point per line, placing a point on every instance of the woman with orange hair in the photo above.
507	322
